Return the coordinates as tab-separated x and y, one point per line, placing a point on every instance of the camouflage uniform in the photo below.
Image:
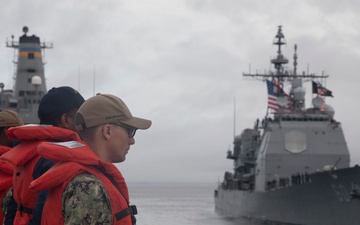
5	201
86	201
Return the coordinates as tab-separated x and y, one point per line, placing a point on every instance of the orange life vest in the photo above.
4	149
75	158
24	157
6	172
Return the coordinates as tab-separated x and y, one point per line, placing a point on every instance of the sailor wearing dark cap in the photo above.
56	112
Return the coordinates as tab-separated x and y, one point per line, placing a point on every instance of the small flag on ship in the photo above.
317	88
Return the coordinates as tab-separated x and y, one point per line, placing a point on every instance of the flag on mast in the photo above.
275	92
317	88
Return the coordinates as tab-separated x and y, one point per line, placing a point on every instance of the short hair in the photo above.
88	134
55	121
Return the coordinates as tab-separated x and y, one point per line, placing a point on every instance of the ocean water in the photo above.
178	204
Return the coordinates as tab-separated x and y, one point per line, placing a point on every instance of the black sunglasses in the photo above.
130	130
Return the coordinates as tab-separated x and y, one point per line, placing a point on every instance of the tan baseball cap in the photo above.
106	108
9	118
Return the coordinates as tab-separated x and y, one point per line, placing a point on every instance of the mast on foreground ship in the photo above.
29	86
294	166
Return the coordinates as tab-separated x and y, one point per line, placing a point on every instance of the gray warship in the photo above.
292	167
29	79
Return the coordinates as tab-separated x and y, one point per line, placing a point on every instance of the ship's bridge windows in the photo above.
316	119
31	55
21	93
31	70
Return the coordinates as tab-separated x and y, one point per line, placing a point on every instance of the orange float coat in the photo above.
6	173
24	157
75	158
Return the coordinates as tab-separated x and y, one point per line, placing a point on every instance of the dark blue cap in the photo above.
59	101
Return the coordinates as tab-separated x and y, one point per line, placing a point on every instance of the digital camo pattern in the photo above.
86	201
5	200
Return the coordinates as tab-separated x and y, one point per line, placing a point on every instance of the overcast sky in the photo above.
180	64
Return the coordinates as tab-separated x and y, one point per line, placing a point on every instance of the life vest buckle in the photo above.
133	209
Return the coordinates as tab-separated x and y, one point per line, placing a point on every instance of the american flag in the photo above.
274	92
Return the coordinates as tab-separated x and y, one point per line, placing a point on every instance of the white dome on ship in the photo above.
329	110
318	102
299	93
36	80
237	138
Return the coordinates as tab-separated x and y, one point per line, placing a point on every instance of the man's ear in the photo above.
106	131
65	121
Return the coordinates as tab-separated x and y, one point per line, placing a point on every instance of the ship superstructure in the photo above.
29	78
294	160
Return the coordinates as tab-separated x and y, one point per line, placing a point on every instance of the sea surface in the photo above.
178	204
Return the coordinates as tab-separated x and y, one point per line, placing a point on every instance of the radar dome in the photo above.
36	80
25	29
299	93
318	102
329	110
237	138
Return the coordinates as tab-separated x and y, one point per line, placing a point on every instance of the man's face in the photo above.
120	143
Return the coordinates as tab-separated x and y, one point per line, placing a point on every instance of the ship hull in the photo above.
326	199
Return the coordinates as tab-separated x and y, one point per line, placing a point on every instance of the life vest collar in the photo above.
31	132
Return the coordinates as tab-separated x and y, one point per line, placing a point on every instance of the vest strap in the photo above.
24	209
131	210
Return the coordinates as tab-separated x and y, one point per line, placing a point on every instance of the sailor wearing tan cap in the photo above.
8	119
84	186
